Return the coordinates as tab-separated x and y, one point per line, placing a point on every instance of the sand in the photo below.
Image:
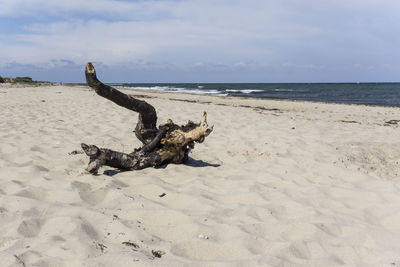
277	183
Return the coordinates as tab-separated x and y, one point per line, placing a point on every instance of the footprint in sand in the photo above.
298	250
202	249
30	228
87	195
89	230
33	192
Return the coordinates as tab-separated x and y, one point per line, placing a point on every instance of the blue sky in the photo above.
202	40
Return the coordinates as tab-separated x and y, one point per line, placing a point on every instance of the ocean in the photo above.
381	94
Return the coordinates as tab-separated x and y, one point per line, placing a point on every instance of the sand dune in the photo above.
277	183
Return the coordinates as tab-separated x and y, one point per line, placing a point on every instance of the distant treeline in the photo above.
19	80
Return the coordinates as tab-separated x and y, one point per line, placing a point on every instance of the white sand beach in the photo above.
277	183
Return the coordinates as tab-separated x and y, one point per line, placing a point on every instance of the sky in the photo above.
202	40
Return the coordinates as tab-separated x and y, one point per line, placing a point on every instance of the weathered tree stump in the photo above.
169	143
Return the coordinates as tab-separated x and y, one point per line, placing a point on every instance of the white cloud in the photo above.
185	31
19	8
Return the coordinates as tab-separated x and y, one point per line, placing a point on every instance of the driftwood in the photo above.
169	143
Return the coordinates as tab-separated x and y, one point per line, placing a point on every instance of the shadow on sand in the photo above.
191	162
199	163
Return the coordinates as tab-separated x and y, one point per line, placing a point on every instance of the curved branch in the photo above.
146	128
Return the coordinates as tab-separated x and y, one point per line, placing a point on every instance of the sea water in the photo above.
383	94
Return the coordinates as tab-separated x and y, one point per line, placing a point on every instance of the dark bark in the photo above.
169	143
146	128
134	161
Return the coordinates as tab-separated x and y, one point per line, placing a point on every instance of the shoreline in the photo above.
254	98
263	104
211	95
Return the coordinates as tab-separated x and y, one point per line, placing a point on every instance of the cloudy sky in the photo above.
202	40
